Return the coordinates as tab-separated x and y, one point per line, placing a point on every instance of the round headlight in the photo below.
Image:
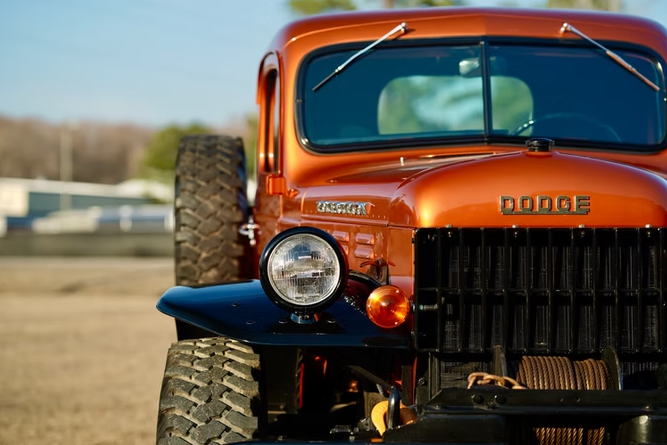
303	269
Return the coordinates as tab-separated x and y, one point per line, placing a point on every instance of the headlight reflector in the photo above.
303	269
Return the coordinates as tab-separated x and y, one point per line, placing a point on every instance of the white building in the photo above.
24	200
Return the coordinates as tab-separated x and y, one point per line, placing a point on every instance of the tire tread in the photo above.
208	395
210	206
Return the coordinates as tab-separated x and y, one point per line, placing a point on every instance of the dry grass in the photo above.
81	350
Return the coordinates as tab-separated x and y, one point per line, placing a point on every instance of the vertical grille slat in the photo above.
527	278
617	295
551	341
540	290
505	287
439	289
574	338
482	291
660	262
593	283
462	293
606	293
639	326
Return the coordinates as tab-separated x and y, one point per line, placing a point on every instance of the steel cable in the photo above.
540	372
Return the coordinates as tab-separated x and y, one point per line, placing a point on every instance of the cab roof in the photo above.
466	21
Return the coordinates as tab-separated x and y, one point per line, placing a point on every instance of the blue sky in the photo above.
150	62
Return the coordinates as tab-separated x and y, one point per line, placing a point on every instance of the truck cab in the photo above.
451	203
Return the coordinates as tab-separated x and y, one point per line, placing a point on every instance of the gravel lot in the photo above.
82	349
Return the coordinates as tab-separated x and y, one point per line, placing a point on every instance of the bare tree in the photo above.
309	7
603	5
105	153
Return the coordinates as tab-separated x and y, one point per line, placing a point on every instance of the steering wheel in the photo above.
578	118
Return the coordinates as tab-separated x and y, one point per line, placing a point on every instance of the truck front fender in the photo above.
244	312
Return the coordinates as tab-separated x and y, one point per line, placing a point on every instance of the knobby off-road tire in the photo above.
210	206
210	393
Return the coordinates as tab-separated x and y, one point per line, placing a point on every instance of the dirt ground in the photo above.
82	349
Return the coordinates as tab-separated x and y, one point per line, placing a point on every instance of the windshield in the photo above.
436	93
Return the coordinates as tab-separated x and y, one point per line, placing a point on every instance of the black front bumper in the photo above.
494	415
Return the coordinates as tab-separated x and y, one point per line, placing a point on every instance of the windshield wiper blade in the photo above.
618	59
402	28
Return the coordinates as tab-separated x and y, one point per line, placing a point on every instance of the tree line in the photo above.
100	152
310	7
103	153
111	153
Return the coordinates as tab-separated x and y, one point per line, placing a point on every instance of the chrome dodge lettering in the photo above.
545	205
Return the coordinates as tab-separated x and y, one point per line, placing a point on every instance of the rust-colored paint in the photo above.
275	185
468	194
458	185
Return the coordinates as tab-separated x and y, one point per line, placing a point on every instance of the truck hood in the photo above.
535	189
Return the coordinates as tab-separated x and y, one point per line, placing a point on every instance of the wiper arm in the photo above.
618	59
402	28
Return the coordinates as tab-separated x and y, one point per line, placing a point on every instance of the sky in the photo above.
149	62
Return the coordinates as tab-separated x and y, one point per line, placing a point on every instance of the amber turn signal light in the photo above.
387	306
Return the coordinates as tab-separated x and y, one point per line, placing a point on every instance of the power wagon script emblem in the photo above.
545	205
343	207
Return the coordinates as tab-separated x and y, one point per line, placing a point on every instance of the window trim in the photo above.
269	148
487	138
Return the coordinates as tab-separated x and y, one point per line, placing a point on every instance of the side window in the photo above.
270	151
275	117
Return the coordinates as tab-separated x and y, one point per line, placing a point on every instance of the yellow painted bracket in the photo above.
380	410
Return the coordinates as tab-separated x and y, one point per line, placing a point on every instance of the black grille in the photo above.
540	290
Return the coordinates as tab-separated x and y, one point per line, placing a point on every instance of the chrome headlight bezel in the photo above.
281	300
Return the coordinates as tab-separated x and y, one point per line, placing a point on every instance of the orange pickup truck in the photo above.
458	236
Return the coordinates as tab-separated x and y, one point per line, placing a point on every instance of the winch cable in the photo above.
541	372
